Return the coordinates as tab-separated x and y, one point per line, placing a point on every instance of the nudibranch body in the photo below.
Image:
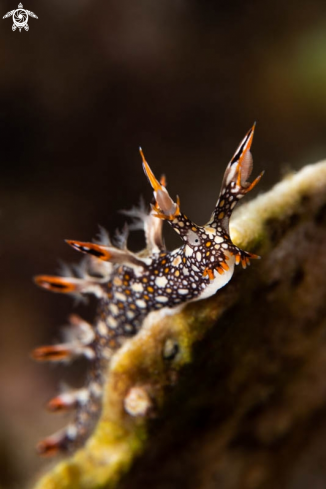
130	286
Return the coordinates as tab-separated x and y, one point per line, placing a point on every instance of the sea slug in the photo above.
130	286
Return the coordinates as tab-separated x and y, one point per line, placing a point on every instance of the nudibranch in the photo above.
131	286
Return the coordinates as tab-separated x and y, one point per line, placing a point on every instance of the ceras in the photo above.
131	285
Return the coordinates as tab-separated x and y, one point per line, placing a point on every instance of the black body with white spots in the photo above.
130	286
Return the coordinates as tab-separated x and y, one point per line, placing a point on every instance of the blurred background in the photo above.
79	92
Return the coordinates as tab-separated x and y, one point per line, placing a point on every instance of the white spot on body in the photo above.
183	291
89	353
68	398
161	281
218	239
198	256
112	322
114	309
176	261
120	297
141	303
188	251
210	231
102	328
71	431
82	395
162	298
130	314
137	287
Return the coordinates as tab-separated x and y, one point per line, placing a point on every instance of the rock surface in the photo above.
235	386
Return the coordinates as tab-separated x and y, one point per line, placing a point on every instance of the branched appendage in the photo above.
211	242
130	285
234	187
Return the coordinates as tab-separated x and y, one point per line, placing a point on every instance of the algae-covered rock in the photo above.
230	392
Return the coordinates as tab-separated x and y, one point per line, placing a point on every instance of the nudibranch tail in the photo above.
129	286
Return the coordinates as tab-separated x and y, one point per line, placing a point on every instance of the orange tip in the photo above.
225	266
209	272
51	353
93	249
150	175
55	284
47	448
52	445
61	403
163	180
254	183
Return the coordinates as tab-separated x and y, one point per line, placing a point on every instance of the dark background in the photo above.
79	92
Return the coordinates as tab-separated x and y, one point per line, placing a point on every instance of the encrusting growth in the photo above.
130	286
